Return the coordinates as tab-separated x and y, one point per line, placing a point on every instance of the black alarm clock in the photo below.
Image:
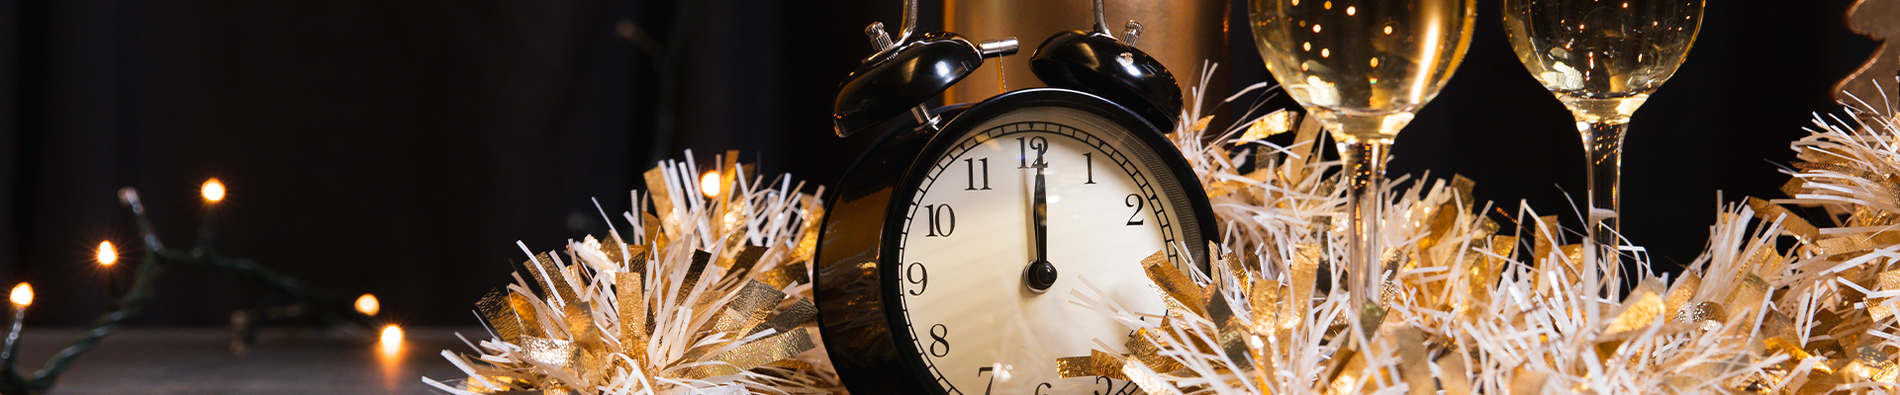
954	251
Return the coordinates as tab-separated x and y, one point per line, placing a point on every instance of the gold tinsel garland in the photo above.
1775	305
712	294
709	295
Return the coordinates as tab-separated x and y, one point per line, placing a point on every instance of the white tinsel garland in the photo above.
1473	311
711	295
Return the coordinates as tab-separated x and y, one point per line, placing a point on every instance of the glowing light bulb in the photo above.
709	184
22	295
392	339
213	190
368	305
107	255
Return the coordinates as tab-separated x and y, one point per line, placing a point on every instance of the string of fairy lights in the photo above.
306	301
299	301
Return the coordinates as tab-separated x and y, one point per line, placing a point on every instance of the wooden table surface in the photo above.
284	361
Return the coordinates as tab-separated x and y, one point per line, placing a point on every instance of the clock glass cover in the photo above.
980	310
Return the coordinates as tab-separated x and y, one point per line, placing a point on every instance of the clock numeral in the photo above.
1133	201
939	346
992	383
992	371
1088	159
943	220
917	275
971	164
1128	387
1041	145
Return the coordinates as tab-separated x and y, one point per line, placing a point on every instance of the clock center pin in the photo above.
1040	275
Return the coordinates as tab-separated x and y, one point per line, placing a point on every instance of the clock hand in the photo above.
1041	216
1040	274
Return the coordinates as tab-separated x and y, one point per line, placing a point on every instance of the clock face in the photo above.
976	321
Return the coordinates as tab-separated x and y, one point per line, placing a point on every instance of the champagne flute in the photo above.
1362	68
1602	58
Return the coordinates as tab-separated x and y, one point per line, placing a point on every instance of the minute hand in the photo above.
1040	274
1041	214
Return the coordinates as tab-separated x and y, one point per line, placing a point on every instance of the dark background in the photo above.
402	147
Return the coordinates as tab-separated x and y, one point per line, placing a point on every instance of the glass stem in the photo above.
1603	148
1365	162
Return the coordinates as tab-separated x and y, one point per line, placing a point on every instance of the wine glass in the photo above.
1362	68
1602	58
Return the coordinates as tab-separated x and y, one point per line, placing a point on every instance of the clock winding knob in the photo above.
1131	33
880	41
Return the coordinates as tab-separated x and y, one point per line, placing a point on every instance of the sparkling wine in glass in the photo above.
1363	68
1602	58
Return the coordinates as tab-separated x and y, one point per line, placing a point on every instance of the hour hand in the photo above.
1040	274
